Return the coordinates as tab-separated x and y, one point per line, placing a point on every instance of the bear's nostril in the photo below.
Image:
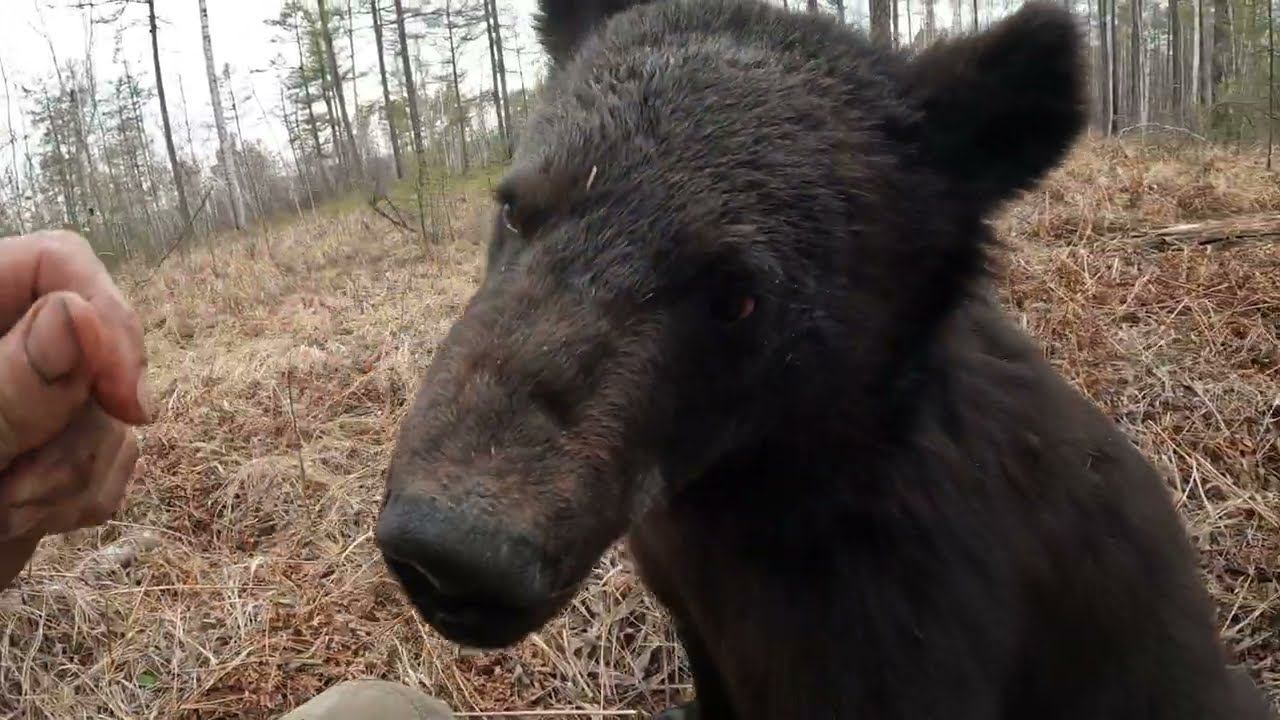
442	557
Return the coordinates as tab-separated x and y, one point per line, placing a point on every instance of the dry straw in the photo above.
242	579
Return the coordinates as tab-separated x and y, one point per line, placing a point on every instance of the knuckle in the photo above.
64	241
61	248
79	472
9	439
66	254
107	504
119	438
134	327
131	451
72	251
98	513
63	519
16	523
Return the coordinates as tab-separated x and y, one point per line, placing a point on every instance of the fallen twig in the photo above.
1263	227
397	221
186	229
1167	128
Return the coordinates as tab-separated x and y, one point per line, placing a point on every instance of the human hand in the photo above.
107	330
76	480
71	381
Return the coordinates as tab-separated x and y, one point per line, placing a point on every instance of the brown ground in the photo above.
242	578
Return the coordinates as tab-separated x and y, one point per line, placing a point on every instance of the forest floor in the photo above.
242	578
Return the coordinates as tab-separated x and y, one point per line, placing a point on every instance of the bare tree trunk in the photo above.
186	123
840	13
930	20
250	179
1206	55
392	132
457	88
1114	64
295	139
118	198
1221	42
227	157
1197	47
313	125
975	14
1104	69
895	22
1146	77
27	162
326	36
146	169
235	109
415	120
812	6
1271	80
351	44
1135	62
439	140
1234	39
331	115
1095	74
1175	62
524	91
13	148
70	210
881	22
502	75
493	69
82	162
84	155
184	210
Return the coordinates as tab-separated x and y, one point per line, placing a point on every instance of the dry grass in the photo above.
242	579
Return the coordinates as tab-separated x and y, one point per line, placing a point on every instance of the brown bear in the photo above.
737	308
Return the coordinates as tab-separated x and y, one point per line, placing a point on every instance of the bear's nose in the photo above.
449	560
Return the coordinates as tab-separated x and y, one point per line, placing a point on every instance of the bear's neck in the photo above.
851	446
853	410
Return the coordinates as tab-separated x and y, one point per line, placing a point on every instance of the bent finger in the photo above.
51	261
104	486
46	370
111	491
75	480
60	468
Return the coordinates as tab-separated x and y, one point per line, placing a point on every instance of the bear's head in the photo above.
726	226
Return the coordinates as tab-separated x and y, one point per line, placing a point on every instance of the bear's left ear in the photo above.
1001	108
562	25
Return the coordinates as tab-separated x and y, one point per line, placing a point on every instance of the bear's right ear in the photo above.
562	25
1001	108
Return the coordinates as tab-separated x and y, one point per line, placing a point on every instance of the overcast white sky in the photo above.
241	38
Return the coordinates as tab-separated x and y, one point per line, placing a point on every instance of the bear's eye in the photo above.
724	289
734	308
508	218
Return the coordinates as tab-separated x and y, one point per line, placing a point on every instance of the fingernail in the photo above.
53	350
144	399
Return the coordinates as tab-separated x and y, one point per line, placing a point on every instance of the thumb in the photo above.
46	368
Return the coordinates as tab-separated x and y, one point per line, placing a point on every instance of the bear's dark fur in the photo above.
736	306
